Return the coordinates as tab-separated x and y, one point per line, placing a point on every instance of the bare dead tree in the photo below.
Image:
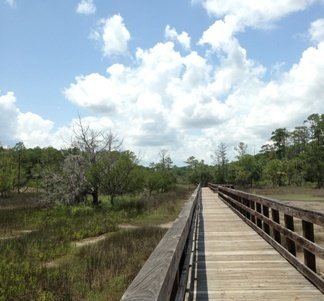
92	143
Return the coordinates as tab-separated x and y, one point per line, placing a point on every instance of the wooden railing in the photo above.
214	187
164	275
280	228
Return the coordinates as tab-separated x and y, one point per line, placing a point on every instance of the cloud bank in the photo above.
184	100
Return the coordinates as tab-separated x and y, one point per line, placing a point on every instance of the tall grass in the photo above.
98	272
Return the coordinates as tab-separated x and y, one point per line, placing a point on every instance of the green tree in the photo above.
116	173
300	138
248	170
241	150
315	149
198	171
7	171
280	139
162	177
221	161
274	171
19	151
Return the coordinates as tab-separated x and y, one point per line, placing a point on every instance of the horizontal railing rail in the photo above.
276	223
214	187
164	275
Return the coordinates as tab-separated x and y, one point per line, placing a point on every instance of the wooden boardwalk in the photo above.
232	262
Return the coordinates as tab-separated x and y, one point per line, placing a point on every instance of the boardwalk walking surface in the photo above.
234	263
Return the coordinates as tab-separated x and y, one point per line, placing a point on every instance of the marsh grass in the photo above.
101	271
97	272
114	262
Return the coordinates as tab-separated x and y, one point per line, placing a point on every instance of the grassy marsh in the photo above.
100	271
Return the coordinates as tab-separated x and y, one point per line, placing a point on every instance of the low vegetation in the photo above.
92	272
97	272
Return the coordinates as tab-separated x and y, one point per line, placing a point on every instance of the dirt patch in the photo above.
90	240
127	226
163	226
15	234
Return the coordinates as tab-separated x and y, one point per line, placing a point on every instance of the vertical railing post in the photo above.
258	209
289	223
276	218
309	258
266	227
247	204
252	206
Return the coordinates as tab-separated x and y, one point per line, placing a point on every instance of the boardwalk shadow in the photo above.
199	275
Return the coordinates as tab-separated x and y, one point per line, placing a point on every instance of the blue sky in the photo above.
177	75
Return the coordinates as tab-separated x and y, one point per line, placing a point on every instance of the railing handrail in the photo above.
311	216
159	276
254	210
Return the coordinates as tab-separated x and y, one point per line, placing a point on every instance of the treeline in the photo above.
291	157
95	164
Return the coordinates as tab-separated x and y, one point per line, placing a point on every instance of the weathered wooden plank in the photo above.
244	295
234	263
277	228
316	279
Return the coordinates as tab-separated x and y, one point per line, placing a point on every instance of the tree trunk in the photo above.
95	197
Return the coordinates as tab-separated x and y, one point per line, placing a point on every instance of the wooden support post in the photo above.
259	221
247	204
239	199
266	227
309	258
252	206
276	218
289	223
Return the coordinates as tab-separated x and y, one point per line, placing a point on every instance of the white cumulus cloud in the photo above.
183	38
17	126
168	100
188	102
86	7
316	31
113	34
220	35
255	13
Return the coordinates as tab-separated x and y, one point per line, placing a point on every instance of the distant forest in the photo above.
95	165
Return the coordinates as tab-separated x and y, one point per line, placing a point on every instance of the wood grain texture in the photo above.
234	263
277	229
311	249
